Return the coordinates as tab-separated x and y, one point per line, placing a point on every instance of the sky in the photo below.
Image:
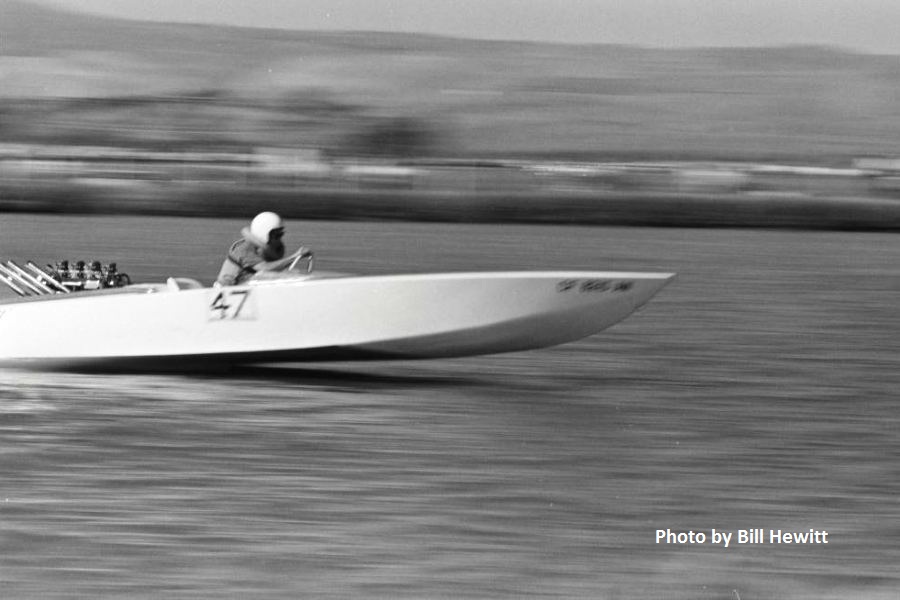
863	25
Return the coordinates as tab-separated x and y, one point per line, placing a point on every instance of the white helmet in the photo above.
261	226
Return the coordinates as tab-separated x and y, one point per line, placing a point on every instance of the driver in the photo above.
260	243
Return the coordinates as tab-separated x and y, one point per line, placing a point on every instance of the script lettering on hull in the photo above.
593	285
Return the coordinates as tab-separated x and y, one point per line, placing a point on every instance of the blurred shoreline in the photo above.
306	184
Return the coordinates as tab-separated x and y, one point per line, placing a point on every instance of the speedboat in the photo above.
293	314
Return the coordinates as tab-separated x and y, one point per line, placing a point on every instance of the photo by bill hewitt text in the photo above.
742	537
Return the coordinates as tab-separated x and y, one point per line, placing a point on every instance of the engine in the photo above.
79	276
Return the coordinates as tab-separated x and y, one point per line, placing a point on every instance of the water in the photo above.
757	391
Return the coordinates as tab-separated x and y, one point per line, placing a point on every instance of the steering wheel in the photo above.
299	255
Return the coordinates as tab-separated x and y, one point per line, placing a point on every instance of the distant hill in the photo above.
470	97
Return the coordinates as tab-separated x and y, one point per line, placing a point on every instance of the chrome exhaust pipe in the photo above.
46	278
44	289
12	285
30	289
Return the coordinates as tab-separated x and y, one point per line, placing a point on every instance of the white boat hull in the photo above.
320	318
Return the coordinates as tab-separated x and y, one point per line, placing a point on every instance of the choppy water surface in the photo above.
757	391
